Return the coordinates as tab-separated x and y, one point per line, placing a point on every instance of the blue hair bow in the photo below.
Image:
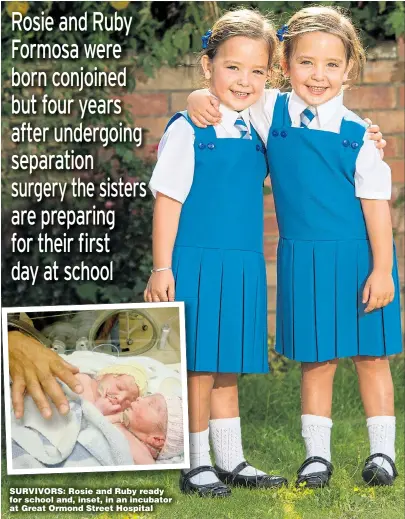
280	33
205	39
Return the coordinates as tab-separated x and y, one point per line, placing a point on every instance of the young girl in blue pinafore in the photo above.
208	249
337	279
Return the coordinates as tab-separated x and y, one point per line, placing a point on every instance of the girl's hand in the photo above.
160	287
375	135
203	108
379	290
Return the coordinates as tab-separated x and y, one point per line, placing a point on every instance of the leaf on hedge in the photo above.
88	291
111	294
128	156
181	40
126	294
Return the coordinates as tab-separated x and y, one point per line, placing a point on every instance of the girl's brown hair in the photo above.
330	20
243	22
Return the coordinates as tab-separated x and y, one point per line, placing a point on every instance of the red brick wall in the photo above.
379	95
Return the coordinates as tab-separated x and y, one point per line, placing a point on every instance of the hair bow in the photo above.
280	33
205	39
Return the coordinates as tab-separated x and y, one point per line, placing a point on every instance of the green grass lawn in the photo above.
270	411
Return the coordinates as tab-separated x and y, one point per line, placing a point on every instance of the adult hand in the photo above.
33	370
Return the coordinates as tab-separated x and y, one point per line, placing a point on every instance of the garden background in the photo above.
160	52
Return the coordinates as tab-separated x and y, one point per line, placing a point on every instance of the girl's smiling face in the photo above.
318	67
238	71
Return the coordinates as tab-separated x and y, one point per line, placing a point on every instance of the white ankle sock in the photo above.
316	431
200	455
226	442
381	432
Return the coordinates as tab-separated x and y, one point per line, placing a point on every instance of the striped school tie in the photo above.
241	126
306	116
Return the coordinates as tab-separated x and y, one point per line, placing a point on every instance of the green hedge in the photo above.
376	21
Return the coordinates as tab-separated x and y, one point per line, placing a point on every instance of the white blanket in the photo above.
83	438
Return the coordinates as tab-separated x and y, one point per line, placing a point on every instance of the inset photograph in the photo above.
95	388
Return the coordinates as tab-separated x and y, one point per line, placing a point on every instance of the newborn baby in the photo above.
153	426
115	387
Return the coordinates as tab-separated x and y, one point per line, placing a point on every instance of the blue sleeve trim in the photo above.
354	126
201	134
177	116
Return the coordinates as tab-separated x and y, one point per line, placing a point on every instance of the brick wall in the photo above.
379	95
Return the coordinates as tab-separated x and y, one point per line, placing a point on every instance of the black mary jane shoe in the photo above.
314	479
374	474
217	489
234	478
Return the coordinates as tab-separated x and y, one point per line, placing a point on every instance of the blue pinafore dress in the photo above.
218	261
324	256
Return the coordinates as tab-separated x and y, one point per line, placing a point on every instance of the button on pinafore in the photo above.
324	256
218	261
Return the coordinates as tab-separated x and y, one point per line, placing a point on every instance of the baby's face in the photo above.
147	415
119	390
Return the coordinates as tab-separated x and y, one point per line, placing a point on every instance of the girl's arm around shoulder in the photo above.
372	176
379	288
261	112
173	173
203	108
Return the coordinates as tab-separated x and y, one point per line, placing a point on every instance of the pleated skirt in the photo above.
320	314
225	296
